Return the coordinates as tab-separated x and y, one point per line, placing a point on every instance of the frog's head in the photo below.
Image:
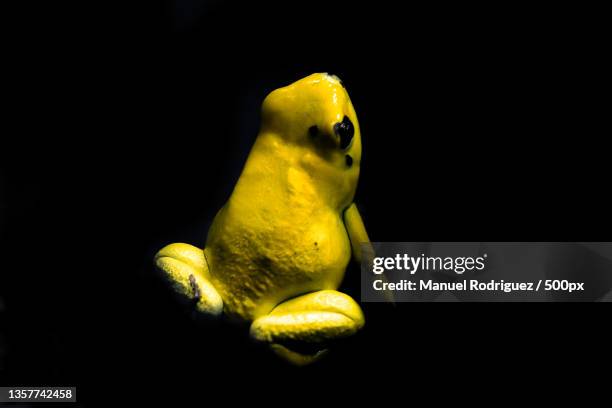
315	114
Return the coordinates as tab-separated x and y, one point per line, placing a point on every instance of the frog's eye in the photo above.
345	131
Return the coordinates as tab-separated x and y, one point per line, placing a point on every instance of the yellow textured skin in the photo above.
277	251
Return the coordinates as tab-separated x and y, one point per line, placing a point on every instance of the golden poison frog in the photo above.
277	251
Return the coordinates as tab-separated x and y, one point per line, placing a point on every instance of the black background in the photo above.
129	124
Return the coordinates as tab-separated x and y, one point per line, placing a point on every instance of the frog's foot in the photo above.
310	320
300	358
185	267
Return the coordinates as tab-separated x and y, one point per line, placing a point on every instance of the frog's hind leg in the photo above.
313	319
185	267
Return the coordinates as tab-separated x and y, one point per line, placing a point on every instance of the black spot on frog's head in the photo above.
324	143
313	131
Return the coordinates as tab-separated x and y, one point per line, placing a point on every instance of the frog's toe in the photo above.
185	267
185	253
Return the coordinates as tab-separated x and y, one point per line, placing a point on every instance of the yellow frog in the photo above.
278	249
